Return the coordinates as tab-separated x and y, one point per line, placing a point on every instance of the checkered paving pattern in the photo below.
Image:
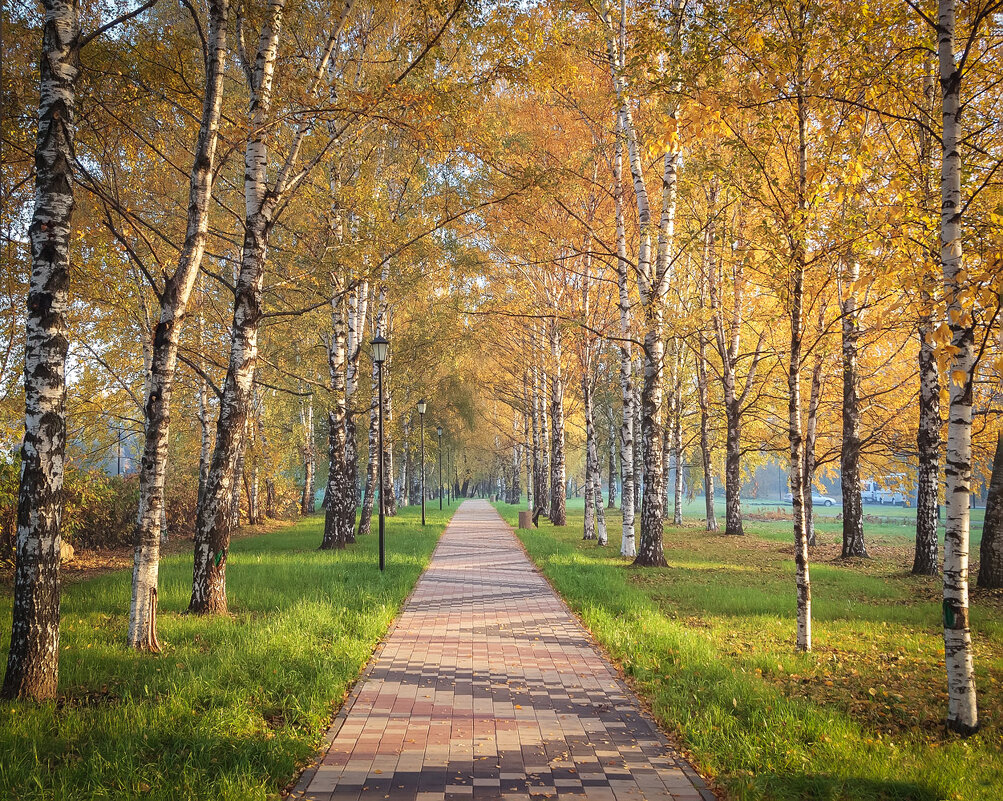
488	688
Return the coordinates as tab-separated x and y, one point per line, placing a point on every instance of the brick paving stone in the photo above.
488	688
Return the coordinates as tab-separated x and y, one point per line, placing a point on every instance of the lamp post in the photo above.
380	345
422	406
438	431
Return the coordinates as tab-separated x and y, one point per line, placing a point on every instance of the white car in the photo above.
817	499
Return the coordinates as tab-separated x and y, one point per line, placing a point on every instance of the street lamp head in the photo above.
422	406
438	430
380	345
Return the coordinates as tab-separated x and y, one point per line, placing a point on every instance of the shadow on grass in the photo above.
822	787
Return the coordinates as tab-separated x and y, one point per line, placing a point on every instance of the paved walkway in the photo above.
487	687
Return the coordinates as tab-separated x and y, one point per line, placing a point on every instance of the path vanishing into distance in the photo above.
488	687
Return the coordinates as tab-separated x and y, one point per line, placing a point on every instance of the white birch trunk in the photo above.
593	480
612	443
308	496
372	465
253	512
703	382
515	489
638	382
528	445
590	433
677	435
339	491
727	338
543	414
558	473
407	490
213	521
602	536
238	475
849	459
532	402
205	454
33	659
357	314
962	713
799	257
262	435
928	440
810	439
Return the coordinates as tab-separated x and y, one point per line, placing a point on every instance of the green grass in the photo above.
234	707
895	523
709	642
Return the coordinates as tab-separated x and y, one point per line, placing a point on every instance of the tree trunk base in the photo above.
961	728
209	610
649	562
331	546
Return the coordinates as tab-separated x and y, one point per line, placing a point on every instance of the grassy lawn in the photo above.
234	707
889	524
709	642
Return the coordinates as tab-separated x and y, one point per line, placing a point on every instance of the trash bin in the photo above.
525	519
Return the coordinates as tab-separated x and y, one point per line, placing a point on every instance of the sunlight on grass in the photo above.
234	707
709	641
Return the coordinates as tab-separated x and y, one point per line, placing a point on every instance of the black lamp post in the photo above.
438	431
421	416
380	345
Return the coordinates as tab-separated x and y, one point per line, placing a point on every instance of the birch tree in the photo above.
339	493
928	430
703	378
558	475
174	297
653	280
358	308
849	460
263	201
962	713
737	391
307	497
33	659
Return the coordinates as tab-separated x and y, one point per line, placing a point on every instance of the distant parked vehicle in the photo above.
817	499
872	492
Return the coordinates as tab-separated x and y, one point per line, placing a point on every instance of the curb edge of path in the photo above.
669	741
299	789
